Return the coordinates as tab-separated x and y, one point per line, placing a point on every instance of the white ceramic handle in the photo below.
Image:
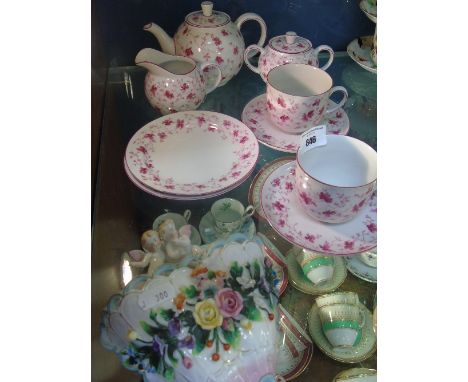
342	102
330	58
363	318
249	53
218	79
249	211
253	16
187	215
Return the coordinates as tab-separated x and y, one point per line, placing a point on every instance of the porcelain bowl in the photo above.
335	181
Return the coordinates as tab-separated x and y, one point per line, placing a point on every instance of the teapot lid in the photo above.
290	43
207	18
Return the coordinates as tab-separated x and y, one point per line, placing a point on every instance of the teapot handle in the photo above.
253	16
204	69
330	58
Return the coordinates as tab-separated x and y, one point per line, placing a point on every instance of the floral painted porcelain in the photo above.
164	195
369	7
210	36
192	153
302	283
296	347
284	213
336	180
360	51
297	97
289	48
215	322
210	234
257	119
358	353
174	83
360	269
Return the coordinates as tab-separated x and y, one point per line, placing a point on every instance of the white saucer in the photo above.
302	283
360	269
295	349
363	350
360	51
257	183
283	212
209	233
255	116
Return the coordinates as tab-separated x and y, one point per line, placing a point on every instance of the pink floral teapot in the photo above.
175	83
288	48
210	36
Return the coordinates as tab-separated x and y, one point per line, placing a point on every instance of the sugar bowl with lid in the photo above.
288	48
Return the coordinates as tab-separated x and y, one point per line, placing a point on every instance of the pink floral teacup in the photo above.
335	181
297	96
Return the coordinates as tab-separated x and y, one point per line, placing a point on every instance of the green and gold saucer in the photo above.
299	280
356	374
363	350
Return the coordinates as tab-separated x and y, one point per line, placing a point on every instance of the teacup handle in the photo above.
249	53
362	320
342	102
203	67
330	52
187	215
249	211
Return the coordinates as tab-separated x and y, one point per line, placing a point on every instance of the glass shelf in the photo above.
123	212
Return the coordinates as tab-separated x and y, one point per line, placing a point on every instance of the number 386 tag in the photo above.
314	137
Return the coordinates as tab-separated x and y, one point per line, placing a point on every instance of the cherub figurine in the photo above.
167	244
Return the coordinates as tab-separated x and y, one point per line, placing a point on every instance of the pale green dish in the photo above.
301	282
356	374
363	350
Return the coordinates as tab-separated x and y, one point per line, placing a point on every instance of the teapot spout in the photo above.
166	42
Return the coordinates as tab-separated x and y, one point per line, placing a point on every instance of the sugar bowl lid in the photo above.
206	17
290	43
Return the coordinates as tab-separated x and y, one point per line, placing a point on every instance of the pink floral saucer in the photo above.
283	212
255	116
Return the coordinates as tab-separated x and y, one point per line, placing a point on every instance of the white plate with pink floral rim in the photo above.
192	153
178	197
283	212
255	116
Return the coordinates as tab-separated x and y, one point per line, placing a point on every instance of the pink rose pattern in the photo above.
293	114
328	203
278	199
217	45
144	143
170	95
255	116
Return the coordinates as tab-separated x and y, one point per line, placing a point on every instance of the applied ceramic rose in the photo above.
210	36
297	96
334	182
289	48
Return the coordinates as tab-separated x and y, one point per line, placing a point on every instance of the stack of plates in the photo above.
191	155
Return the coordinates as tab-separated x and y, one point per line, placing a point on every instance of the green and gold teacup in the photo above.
342	324
229	214
337	298
317	267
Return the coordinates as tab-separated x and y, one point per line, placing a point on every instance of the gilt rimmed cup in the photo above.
335	181
229	214
317	267
342	324
297	96
350	298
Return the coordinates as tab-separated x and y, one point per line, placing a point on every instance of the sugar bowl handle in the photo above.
253	16
251	51
330	52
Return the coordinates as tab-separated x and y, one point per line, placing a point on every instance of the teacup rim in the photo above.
334	185
302	65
